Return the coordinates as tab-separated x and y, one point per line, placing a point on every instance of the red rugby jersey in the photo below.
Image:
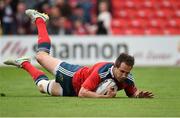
90	78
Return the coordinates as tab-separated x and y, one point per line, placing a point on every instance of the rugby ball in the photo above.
103	86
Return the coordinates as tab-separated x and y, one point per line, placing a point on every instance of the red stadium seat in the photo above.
165	12
134	31
131	12
175	22
117	31
138	3
150	3
177	12
145	13
157	22
152	17
172	31
153	31
125	13
175	3
120	22
129	4
118	4
121	13
138	22
166	3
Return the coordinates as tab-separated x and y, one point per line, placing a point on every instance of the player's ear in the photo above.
115	69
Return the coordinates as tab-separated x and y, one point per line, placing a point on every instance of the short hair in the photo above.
123	57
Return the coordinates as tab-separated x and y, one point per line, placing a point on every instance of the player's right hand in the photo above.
111	93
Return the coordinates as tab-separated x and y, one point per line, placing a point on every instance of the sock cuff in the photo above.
41	77
44	47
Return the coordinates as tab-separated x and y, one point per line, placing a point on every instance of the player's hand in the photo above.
145	94
111	93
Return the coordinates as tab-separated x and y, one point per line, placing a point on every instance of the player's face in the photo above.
122	72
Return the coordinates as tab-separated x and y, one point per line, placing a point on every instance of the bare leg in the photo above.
47	61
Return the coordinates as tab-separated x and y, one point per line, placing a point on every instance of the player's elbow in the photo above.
81	95
82	92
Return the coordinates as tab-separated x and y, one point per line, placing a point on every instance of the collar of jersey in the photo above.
112	72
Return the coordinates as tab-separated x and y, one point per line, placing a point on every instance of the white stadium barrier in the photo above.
87	50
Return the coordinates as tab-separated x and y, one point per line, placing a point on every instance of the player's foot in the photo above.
33	14
17	62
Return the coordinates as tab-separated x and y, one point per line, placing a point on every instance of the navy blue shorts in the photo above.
64	75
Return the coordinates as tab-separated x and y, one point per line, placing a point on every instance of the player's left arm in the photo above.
143	94
132	91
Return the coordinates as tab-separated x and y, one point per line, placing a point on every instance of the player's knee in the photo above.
56	89
40	56
41	89
50	87
55	92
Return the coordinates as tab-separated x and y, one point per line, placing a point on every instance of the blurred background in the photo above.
85	32
91	17
117	19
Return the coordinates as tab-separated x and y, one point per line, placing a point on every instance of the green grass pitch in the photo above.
23	99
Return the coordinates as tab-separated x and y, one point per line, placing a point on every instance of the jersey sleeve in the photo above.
92	81
130	90
130	87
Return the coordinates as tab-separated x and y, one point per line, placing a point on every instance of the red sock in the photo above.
33	71
44	42
42	31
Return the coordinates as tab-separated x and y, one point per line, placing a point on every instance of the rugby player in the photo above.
76	80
